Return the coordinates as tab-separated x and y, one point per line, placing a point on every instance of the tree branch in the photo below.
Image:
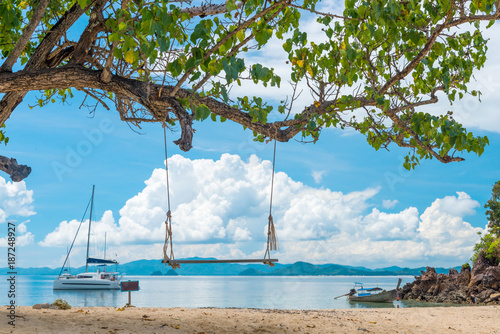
37	60
411	66
96	25
25	37
57	57
243	26
17	172
159	102
209	9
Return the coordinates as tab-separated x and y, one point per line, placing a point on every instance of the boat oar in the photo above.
347	294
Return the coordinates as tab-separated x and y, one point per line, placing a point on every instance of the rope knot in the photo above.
272	242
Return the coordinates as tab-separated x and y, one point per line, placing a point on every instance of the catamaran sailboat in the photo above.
99	280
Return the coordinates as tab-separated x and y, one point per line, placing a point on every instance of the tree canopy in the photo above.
493	210
174	62
489	245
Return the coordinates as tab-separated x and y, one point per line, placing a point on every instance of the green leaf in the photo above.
83	3
201	112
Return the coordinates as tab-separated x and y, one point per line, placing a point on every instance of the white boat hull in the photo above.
85	285
88	281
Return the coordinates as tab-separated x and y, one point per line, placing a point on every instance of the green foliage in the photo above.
490	242
10	24
380	38
493	212
201	112
371	71
14	15
489	246
3	138
53	96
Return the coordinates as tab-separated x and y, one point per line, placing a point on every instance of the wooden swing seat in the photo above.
170	262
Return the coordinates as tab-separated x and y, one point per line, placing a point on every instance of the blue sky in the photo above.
336	201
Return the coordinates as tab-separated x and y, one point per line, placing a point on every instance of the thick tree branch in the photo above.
17	172
186	123
96	25
159	102
473	18
56	58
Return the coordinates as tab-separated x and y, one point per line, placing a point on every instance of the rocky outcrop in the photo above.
491	278
483	281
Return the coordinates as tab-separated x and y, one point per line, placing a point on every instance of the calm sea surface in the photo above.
298	292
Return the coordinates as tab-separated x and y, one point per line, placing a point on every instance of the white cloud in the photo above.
442	224
21	228
391	226
462	205
220	209
236	228
437	236
389	204
15	202
318	175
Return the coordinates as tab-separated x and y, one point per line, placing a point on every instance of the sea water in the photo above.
270	292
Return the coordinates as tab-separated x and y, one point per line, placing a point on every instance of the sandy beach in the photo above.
475	319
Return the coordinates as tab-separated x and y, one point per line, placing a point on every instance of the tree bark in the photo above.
17	172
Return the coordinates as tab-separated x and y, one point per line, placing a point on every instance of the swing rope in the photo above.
272	242
168	251
168	246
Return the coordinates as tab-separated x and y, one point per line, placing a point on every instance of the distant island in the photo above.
156	268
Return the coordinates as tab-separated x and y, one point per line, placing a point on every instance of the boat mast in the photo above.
90	222
105	250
